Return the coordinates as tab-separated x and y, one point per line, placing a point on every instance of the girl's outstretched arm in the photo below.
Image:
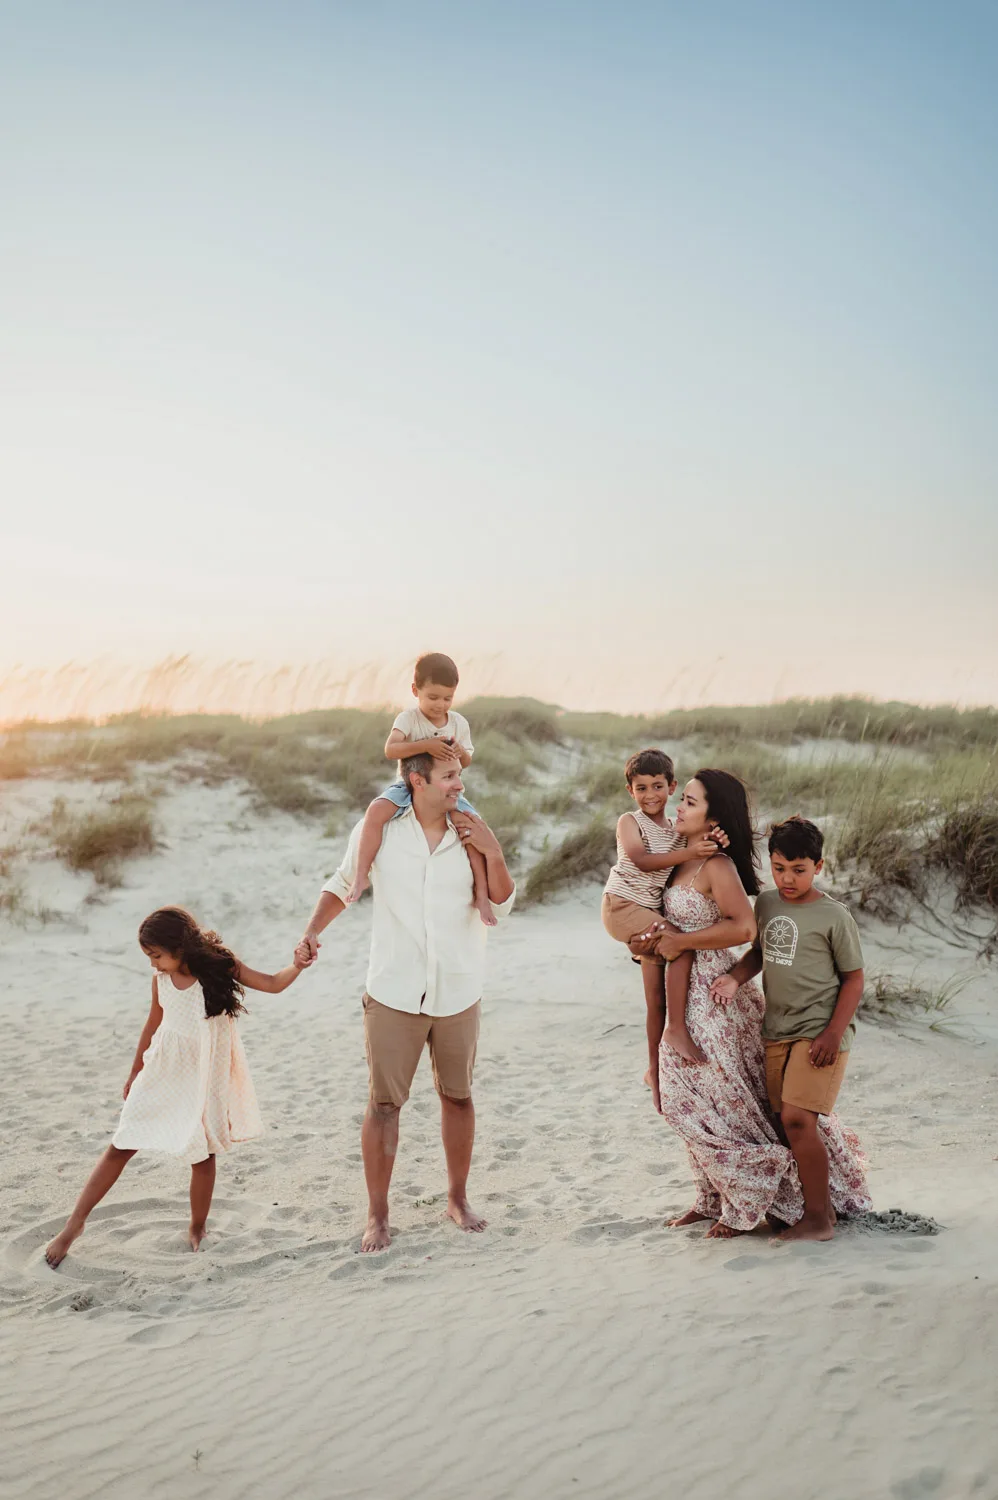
149	1030
271	984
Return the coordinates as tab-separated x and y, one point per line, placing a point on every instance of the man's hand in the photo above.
724	988
474	831
307	950
824	1050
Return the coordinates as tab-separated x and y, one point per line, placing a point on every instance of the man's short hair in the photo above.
650	763
796	838
433	666
416	764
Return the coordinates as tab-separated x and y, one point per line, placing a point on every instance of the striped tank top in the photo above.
644	887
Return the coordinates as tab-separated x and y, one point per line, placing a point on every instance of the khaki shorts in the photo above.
625	919
792	1078
395	1040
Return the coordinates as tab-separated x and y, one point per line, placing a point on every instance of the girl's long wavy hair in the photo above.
203	953
728	806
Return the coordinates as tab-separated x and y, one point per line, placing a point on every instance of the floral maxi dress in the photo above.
721	1109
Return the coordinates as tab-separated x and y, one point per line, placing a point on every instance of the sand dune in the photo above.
576	1349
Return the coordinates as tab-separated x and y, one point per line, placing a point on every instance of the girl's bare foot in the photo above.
691	1216
485	911
377	1236
196	1234
810	1227
683	1043
357	889
722	1232
56	1252
464	1216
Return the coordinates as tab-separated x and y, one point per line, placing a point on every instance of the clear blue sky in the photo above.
631	352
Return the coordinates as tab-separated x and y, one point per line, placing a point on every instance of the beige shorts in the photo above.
792	1078
625	919
395	1040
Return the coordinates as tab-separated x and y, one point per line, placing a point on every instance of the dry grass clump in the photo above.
966	844
888	998
98	841
516	718
586	852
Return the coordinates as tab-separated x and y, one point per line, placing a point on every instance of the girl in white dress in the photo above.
189	1092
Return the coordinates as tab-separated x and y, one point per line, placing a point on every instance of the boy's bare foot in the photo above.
683	1043
485	911
195	1235
691	1216
721	1231
377	1236
810	1227
464	1215
56	1252
357	889
647	1079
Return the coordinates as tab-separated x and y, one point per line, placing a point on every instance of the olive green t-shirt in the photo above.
806	948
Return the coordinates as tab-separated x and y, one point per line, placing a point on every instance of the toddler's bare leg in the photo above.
100	1182
676	1034
377	817
653	979
202	1187
481	897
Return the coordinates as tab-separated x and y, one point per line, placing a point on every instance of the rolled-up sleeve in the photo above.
341	880
503	908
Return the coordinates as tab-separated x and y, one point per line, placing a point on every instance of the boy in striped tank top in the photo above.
648	847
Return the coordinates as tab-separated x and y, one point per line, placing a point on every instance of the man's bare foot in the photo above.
195	1235
464	1216
721	1231
485	911
357	889
683	1043
56	1252
810	1227
691	1216
377	1236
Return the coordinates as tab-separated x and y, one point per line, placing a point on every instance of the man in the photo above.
424	980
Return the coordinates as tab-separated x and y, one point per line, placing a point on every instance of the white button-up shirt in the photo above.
427	941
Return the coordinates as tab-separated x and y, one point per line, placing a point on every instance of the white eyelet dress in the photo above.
194	1096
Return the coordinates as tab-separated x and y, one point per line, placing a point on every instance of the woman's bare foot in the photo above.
377	1236
810	1227
722	1232
196	1234
357	889
691	1216
485	911
683	1043
776	1224
56	1252
464	1215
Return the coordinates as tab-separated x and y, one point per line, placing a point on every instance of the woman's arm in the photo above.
153	1021
270	984
736	924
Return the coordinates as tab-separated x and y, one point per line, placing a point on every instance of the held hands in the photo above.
723	989
307	951
824	1050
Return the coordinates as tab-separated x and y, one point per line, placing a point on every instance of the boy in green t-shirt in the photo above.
808	952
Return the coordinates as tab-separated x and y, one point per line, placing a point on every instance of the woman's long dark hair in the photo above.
214	966
728	806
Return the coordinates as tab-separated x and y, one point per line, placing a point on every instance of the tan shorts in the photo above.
792	1078
395	1040
624	919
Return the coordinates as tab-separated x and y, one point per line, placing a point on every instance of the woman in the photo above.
742	1170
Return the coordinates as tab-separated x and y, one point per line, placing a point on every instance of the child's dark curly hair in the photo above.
204	955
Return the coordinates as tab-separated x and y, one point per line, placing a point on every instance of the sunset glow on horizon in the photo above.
635	356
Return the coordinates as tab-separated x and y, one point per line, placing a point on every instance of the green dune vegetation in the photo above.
901	790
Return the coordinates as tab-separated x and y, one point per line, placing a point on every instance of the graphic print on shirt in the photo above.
779	941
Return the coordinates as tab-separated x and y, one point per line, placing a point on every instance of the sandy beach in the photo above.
578	1347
